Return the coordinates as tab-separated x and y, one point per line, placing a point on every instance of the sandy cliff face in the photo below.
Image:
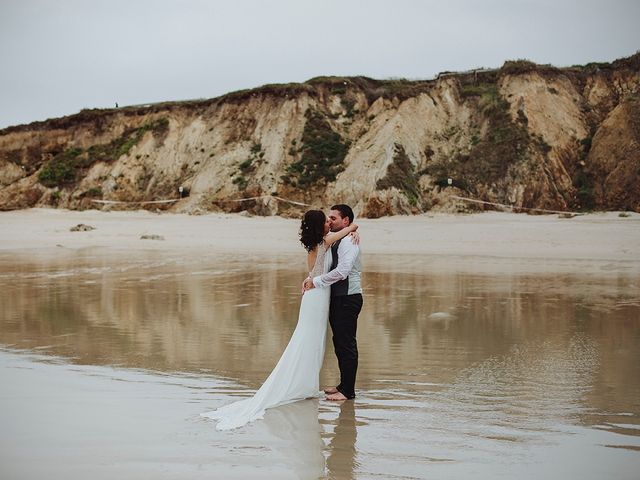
613	163
525	135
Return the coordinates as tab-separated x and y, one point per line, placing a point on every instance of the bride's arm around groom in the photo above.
348	251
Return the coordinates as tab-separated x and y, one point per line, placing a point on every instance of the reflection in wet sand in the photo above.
297	424
460	373
76	422
341	459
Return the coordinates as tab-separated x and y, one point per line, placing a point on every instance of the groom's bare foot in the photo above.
330	390
336	397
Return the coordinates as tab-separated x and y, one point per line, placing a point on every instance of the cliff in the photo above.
526	135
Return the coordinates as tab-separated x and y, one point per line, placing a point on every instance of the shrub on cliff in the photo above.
505	143
323	152
63	169
401	175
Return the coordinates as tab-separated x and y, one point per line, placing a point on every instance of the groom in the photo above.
346	301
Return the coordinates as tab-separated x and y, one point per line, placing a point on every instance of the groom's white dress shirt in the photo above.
349	265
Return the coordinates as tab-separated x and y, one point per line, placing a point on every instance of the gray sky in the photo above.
59	56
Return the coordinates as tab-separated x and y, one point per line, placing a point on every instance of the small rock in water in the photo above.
81	227
151	237
439	315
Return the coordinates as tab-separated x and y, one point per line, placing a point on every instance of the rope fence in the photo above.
119	202
293	202
512	207
267	196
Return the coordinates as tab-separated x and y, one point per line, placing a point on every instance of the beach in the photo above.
492	345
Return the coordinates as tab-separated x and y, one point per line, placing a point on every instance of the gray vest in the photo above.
351	284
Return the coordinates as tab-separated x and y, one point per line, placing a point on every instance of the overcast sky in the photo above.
59	56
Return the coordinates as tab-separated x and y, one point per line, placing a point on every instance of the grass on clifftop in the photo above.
373	89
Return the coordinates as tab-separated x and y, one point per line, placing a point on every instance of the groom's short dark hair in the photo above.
345	211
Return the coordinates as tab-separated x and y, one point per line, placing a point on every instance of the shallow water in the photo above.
461	374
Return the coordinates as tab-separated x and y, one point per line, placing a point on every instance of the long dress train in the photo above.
297	374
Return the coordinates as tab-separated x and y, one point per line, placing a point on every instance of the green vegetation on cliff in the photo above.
64	169
248	166
323	152
121	145
505	143
61	170
401	175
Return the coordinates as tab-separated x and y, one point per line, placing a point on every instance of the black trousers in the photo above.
343	317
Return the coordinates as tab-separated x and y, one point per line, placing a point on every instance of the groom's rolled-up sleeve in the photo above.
347	253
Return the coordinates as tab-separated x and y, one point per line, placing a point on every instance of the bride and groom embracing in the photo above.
330	294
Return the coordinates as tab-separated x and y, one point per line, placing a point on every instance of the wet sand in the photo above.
63	421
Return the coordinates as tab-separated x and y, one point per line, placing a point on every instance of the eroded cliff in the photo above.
524	135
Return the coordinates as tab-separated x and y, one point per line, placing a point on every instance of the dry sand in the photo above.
604	241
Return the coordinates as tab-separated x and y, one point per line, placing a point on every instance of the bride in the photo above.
296	375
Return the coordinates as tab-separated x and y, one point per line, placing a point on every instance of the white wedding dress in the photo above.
297	374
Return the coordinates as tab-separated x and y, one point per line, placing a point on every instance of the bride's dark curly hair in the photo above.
312	229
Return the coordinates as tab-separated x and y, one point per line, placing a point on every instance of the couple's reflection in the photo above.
296	432
299	439
341	461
